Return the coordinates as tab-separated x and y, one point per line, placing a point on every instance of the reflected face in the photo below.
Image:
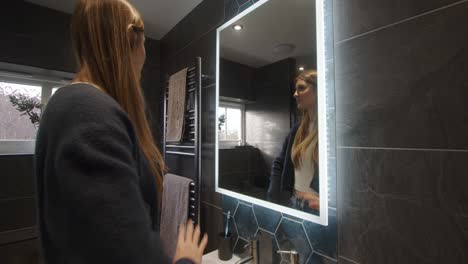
139	55
305	95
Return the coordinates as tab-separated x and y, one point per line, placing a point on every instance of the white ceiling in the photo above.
160	16
275	22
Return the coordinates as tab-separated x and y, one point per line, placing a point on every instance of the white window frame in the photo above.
226	144
48	81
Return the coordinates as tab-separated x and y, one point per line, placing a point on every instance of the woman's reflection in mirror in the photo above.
294	174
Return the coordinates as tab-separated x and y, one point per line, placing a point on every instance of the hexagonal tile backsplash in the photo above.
315	243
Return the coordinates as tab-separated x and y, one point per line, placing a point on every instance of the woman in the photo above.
99	173
295	170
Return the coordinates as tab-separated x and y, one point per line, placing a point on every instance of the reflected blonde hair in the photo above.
104	33
303	138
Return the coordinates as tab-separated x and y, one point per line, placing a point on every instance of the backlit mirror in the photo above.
271	121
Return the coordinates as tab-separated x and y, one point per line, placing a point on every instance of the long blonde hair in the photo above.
304	138
104	33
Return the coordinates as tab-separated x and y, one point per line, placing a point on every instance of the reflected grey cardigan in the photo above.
282	173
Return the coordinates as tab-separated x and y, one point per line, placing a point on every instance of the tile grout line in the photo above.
194	40
16	198
255	217
325	256
264	230
400	22
277	227
352	261
308	241
404	149
212	205
294	220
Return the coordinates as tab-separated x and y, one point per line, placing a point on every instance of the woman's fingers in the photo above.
314	204
196	235
203	244
181	232
189	232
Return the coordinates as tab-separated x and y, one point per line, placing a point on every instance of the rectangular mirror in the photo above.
271	133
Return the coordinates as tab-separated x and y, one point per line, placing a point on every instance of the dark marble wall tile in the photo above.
297	219
342	260
181	165
208	15
239	248
267	219
36	36
24	252
320	259
211	222
204	47
17	213
244	6
208	193
291	236
230	204
230	9
241	2
453	195
235	80
17	178
323	239
395	201
208	139
245	221
403	86
357	17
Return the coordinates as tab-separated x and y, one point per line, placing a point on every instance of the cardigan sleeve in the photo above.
105	213
273	194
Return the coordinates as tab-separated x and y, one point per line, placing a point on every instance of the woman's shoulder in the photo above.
81	101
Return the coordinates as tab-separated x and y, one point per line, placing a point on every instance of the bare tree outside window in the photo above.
20	109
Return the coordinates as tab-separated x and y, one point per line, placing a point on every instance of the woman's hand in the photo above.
314	202
312	199
189	245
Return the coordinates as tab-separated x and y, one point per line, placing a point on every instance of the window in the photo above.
230	124
20	109
22	98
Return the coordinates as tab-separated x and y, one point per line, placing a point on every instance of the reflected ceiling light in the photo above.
238	27
283	49
301	68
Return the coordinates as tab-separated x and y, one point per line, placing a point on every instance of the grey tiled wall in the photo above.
401	80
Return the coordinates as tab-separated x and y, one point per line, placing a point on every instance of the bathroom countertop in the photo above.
212	258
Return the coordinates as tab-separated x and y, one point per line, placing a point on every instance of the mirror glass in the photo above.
268	118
